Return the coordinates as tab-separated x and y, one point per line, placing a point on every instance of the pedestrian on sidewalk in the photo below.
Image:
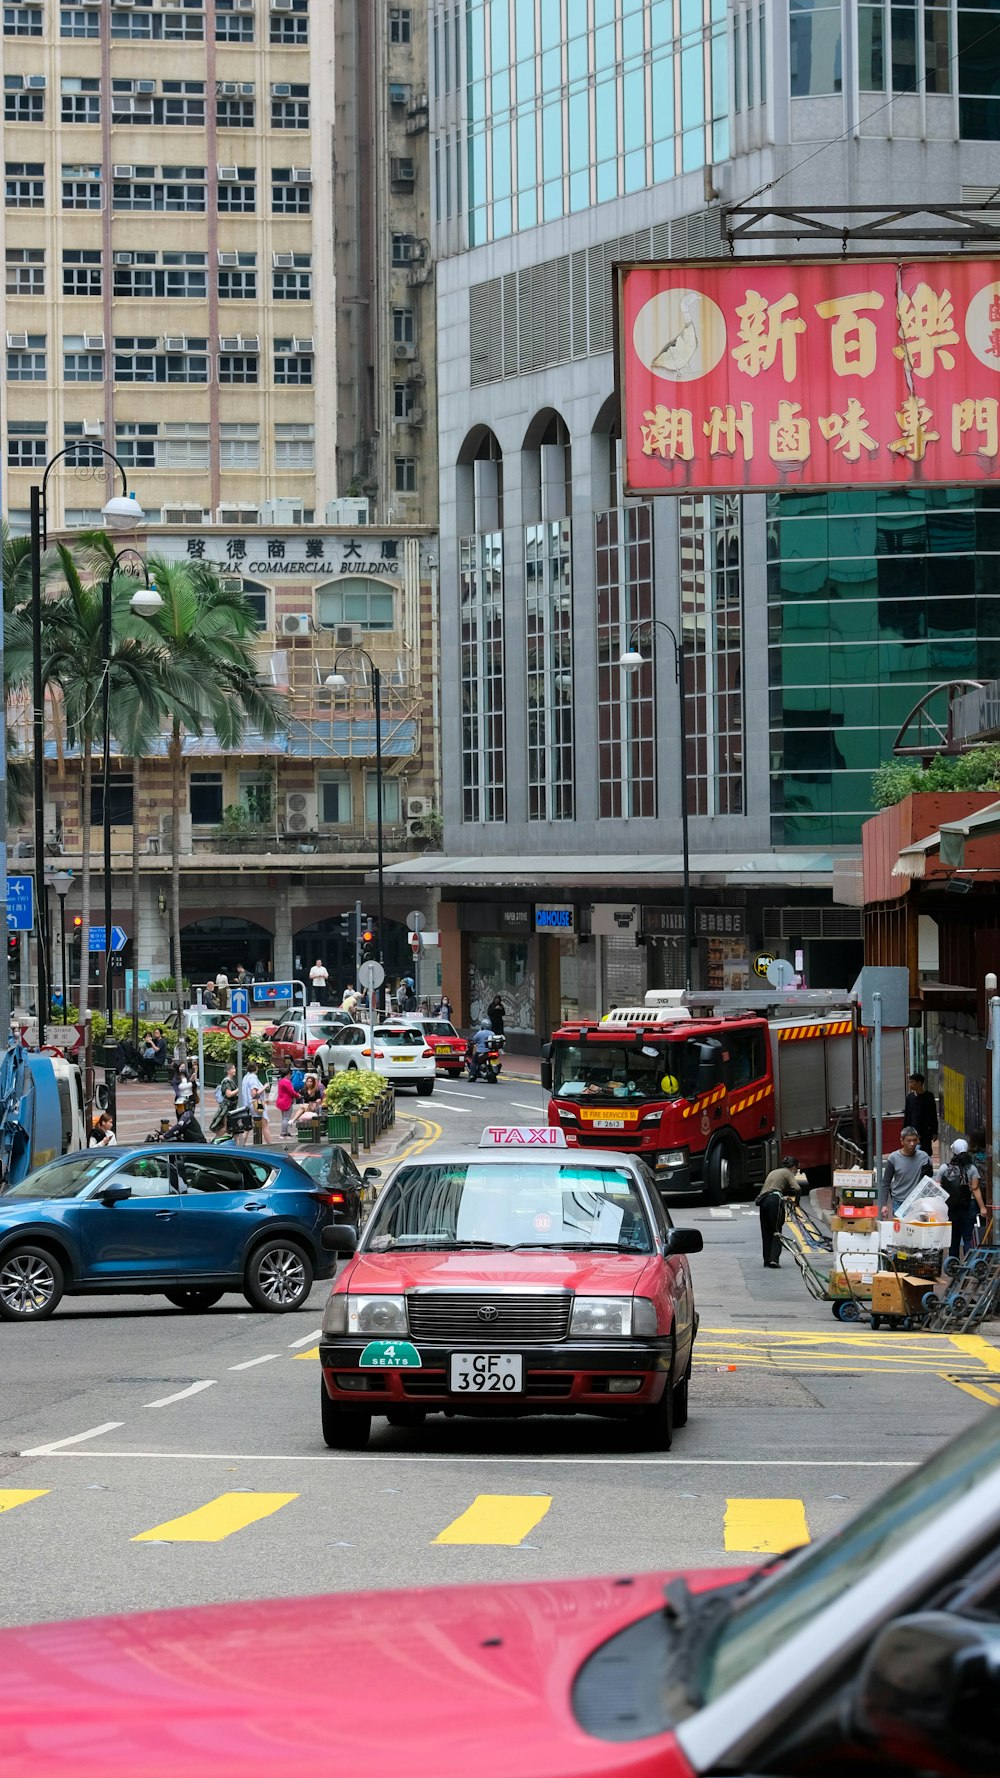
496	1012
443	1009
902	1171
780	1188
102	1133
227	1097
960	1179
319	975
222	991
920	1111
285	1097
312	1100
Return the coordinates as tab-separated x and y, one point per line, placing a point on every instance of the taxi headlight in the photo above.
643	1317
376	1315
335	1315
595	1316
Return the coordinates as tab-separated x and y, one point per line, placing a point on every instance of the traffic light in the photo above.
347	932
369	942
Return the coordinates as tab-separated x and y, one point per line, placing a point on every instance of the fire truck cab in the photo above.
711	1090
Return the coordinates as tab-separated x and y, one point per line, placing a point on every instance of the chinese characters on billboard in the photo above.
767	375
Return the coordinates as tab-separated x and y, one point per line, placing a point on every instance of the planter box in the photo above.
338	1125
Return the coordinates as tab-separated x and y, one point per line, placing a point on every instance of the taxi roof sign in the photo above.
522	1136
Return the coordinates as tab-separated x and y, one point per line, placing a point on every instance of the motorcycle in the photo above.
487	1066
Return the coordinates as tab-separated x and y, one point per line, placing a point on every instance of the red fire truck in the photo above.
713	1098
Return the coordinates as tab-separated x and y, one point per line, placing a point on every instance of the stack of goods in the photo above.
917	1240
854	1230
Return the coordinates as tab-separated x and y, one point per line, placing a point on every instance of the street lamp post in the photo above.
632	660
122	511
62	882
336	681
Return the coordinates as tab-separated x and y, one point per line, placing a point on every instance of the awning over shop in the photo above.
644	871
949	841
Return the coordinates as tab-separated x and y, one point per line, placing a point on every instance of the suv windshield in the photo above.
63	1179
624	1070
575	1205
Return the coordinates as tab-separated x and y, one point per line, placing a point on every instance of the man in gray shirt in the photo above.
902	1171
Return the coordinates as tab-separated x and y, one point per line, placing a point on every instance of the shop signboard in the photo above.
768	374
609	920
485	916
720	922
662	922
555	917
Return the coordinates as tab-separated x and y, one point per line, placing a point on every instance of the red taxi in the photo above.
299	1037
449	1046
521	1277
873	1651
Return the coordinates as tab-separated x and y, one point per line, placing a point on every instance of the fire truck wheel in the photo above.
722	1173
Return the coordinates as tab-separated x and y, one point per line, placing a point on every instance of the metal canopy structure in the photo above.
850	224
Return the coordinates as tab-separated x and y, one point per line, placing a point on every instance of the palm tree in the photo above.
210	632
17	657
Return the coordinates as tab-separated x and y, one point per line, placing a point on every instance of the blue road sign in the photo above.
20	904
95	941
267	991
239	1000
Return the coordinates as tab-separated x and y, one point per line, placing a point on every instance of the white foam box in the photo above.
848	1241
858	1265
913	1235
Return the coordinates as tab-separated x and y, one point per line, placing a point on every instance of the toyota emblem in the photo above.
488	1312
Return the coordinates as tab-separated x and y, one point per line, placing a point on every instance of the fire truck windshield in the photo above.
623	1071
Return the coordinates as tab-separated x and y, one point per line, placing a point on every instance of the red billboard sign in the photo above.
760	374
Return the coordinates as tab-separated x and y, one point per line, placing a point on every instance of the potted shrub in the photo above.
349	1094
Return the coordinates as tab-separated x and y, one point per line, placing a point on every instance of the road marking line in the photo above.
218	1519
513	1462
462	1096
248	1363
295	1345
312	1353
497	1518
182	1394
77	1439
970	1389
522	1107
977	1347
764	1527
10	1497
423	1142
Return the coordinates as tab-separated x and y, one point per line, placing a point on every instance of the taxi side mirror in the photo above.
546	1067
929	1694
371	1173
684	1241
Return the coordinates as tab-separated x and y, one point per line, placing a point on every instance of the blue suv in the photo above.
183	1221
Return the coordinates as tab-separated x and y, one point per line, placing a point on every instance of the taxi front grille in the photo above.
490	1318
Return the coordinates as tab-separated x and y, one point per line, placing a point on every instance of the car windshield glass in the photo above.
63	1179
439	1028
783	1605
614	1071
574	1205
396	1039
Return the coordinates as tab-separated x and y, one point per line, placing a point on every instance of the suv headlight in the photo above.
377	1315
595	1316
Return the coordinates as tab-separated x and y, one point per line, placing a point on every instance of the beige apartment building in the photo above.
216	228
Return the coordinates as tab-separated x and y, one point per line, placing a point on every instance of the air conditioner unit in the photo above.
281	5
419	807
36	82
228	88
18	341
94	342
182	515
249	342
345	635
398	93
347	512
229	259
403	350
417	373
413	830
185	844
145	86
120	171
229	174
286	510
402	172
302	345
302	175
248	87
93	428
297	623
301	811
174	342
243	5
418	251
281	90
123	258
229	342
282	259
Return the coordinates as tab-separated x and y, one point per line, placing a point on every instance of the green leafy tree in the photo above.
977	769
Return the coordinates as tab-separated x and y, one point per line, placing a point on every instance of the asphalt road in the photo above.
150	1458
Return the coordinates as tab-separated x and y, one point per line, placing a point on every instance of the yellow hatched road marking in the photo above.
497	1518
313	1352
764	1527
993	1400
19	1497
976	1347
218	1519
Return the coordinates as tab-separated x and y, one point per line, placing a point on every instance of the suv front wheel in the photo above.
278	1277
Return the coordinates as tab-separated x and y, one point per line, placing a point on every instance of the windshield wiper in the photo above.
573	1246
444	1243
697	1619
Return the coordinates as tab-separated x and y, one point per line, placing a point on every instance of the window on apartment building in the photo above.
239	367
256	793
238	283
235	114
22	21
403	327
626	703
182	104
82	272
405	475
25	271
129	106
237	191
80	100
355	600
390	799
185	445
79	21
180	275
292	283
402	246
291	26
400	24
119	800
26	444
136	443
26	363
83	453
293	363
205	798
336	802
168	27
291	191
232	23
239	445
24	185
145	360
23	103
256	597
548	600
484	766
294	445
403	400
177	189
82	363
81	188
290	107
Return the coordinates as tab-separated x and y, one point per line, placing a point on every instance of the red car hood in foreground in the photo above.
604	1274
433	1683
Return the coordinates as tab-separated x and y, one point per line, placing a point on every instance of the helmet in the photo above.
485	1025
669	1083
960	1147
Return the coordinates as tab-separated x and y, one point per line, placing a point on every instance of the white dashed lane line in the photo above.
78	1438
248	1363
182	1394
308	1340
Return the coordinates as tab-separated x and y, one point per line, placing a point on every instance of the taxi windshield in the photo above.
498	1204
614	1070
438	1028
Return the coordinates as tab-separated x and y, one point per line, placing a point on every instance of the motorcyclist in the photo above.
484	1043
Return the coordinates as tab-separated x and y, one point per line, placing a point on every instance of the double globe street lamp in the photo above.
632	661
337	681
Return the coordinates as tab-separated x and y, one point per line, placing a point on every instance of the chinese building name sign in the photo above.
764	375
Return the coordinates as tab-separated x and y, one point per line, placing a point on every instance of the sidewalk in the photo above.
141	1107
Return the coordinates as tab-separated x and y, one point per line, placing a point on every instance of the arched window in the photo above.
355	599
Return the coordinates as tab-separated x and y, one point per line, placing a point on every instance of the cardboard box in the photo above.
862	1225
897	1293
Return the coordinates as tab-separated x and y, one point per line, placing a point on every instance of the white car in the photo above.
401	1053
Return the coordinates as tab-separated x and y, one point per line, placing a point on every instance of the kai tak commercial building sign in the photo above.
761	374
